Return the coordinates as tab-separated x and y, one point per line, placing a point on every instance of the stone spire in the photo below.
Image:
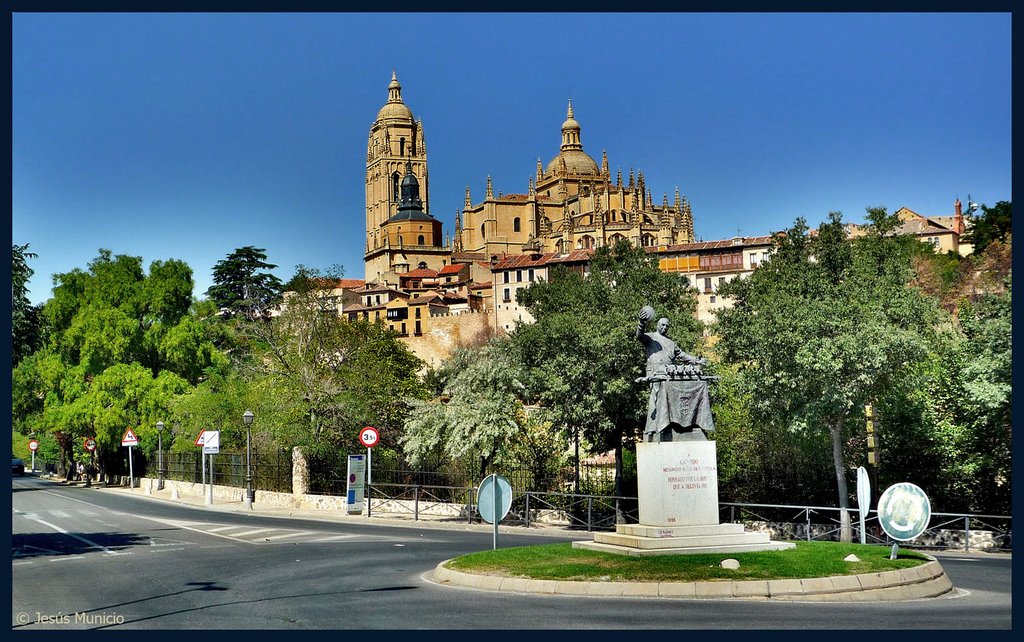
540	170
618	178
457	247
490	192
468	203
604	163
632	183
394	89
531	194
677	205
421	143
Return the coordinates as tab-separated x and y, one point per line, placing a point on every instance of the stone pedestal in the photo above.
677	485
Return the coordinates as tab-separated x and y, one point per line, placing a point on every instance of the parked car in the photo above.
17	466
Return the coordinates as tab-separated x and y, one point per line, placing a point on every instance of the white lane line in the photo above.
220	528
167	550
70	557
253	532
91	543
59	514
334	538
292	534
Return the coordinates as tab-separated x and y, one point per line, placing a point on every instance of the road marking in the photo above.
219	528
59	514
292	534
70	557
91	543
168	550
253	532
334	538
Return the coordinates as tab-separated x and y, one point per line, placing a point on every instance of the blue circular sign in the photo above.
494	499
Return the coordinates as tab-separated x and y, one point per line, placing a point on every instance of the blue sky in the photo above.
189	135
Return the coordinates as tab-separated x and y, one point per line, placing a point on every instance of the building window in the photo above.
378	299
721	281
394	187
506	277
707	285
403	328
529	274
515	224
422	240
506	296
401	146
519	276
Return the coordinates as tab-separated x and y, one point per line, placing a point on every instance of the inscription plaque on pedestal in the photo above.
677	483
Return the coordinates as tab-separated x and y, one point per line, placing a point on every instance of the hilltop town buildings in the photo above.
439	290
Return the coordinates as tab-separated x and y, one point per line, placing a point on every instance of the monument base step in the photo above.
641	539
725	548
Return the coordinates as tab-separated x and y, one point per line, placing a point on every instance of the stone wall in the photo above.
445	333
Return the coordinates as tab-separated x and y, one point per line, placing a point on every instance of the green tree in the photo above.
826	325
580	355
478	411
122	345
994	224
328	375
242	284
27	329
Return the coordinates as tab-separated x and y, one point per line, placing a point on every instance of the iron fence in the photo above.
270	471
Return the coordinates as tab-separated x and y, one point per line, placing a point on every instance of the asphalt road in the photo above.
93	559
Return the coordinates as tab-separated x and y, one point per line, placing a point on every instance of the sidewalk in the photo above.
264	509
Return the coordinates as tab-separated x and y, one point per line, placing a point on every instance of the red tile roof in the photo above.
451	269
419	273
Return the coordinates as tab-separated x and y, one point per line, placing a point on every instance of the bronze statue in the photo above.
679	408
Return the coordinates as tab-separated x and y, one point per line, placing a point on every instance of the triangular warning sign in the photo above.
129	438
201	439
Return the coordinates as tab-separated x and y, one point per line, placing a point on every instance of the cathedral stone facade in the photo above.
571	203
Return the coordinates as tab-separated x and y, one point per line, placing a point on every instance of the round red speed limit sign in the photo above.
368	436
33	445
90	444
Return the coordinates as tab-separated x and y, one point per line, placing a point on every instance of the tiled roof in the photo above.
419	273
724	244
451	269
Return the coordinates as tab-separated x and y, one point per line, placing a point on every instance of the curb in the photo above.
928	580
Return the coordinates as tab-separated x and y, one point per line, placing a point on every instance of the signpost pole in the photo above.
209	492
131	474
33	460
497	506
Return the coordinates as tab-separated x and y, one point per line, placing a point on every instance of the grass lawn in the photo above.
562	562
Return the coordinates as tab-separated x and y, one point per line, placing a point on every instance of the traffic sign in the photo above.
129	438
201	438
904	511
90	444
494	499
33	445
368	436
211	442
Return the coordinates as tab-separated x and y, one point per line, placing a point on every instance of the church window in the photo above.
423	264
421	240
401	146
394	187
515	224
482	234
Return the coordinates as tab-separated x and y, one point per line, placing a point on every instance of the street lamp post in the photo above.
250	492
160	455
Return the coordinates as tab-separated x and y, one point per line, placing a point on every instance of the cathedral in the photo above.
571	203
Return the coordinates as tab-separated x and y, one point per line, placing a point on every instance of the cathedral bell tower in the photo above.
396	146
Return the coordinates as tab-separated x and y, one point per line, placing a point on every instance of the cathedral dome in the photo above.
571	152
394	108
576	160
